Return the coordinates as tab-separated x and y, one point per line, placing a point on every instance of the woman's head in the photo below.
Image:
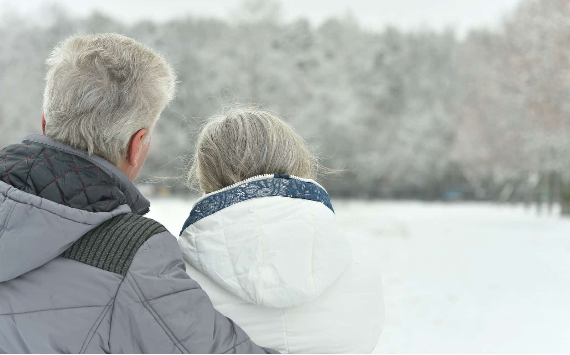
245	142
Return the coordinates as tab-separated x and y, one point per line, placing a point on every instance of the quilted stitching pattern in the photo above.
59	177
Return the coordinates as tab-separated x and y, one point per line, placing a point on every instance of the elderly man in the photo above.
81	269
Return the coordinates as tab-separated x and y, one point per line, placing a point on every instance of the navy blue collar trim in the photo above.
278	185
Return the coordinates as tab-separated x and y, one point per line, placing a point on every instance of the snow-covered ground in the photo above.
458	277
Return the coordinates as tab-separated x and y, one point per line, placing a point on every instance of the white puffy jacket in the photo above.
270	255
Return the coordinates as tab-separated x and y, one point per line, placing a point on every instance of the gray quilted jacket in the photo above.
81	271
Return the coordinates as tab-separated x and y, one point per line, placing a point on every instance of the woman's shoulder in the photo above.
349	316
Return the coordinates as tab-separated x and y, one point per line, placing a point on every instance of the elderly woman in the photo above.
264	243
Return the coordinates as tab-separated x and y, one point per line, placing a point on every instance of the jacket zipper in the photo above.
254	178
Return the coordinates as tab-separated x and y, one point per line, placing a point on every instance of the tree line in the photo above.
420	114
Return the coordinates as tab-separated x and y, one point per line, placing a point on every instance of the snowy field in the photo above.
458	277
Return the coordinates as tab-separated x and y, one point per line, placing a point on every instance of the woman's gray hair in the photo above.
245	142
103	88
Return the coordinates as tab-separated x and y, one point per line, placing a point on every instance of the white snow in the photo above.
458	277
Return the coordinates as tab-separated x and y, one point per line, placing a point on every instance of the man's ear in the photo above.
43	124
135	146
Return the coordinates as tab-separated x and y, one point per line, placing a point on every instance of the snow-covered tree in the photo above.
397	111
516	116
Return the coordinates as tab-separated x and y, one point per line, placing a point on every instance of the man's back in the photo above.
82	271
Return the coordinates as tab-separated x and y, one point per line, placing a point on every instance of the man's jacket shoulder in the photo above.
113	245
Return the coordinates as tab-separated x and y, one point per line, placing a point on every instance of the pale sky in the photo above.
373	14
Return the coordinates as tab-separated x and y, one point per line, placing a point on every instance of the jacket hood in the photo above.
50	196
271	240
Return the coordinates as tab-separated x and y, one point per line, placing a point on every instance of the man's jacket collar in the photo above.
134	199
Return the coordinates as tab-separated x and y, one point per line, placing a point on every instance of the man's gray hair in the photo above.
103	88
244	142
